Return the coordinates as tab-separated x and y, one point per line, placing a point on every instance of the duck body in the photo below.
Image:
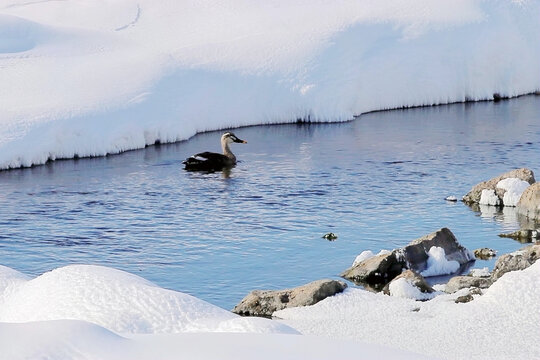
211	161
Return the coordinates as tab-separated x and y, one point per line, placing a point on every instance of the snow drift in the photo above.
85	78
95	312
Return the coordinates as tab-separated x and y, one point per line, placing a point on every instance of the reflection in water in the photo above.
507	216
377	182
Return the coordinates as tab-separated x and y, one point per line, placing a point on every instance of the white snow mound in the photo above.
404	288
514	188
437	264
118	301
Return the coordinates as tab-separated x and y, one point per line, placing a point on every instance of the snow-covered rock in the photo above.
433	254
513	187
518	260
490	193
410	285
497	325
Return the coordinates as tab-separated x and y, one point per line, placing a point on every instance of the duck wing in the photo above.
207	161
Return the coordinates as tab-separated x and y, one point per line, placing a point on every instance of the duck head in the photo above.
229	138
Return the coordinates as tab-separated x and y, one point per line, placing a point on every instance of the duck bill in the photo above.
240	141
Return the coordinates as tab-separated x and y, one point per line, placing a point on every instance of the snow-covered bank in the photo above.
91	78
97	312
81	312
496	325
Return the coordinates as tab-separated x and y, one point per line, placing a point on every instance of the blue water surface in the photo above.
378	182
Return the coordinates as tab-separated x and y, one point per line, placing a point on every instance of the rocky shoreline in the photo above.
401	272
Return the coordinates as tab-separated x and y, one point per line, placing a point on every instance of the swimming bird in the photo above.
210	161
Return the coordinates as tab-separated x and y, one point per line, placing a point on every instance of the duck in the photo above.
210	161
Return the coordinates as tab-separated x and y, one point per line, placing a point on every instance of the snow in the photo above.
483	272
118	301
85	311
514	188
89	78
404	288
437	264
488	197
366	254
70	339
496	325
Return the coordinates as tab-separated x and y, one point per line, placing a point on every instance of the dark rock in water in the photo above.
266	302
381	269
416	253
461	282
518	260
464	299
523	235
529	203
414	278
485	253
330	236
473	196
376	271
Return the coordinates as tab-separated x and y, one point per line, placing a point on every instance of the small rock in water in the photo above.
485	253
523	235
330	236
451	198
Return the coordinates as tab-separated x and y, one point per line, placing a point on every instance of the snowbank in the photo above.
91	78
496	325
69	339
96	312
118	301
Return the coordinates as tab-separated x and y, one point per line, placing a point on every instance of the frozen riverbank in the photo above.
83	79
89	311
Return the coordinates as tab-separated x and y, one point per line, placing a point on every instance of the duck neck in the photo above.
227	151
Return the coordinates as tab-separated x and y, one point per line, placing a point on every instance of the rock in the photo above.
523	235
461	282
375	271
474	195
266	302
464	299
416	253
414	279
518	260
330	236
379	270
529	203
485	253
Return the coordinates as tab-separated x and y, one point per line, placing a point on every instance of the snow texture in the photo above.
483	272
514	188
496	325
488	197
117	301
437	264
366	254
404	288
89	78
94	312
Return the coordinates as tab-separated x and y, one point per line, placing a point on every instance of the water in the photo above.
377	182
